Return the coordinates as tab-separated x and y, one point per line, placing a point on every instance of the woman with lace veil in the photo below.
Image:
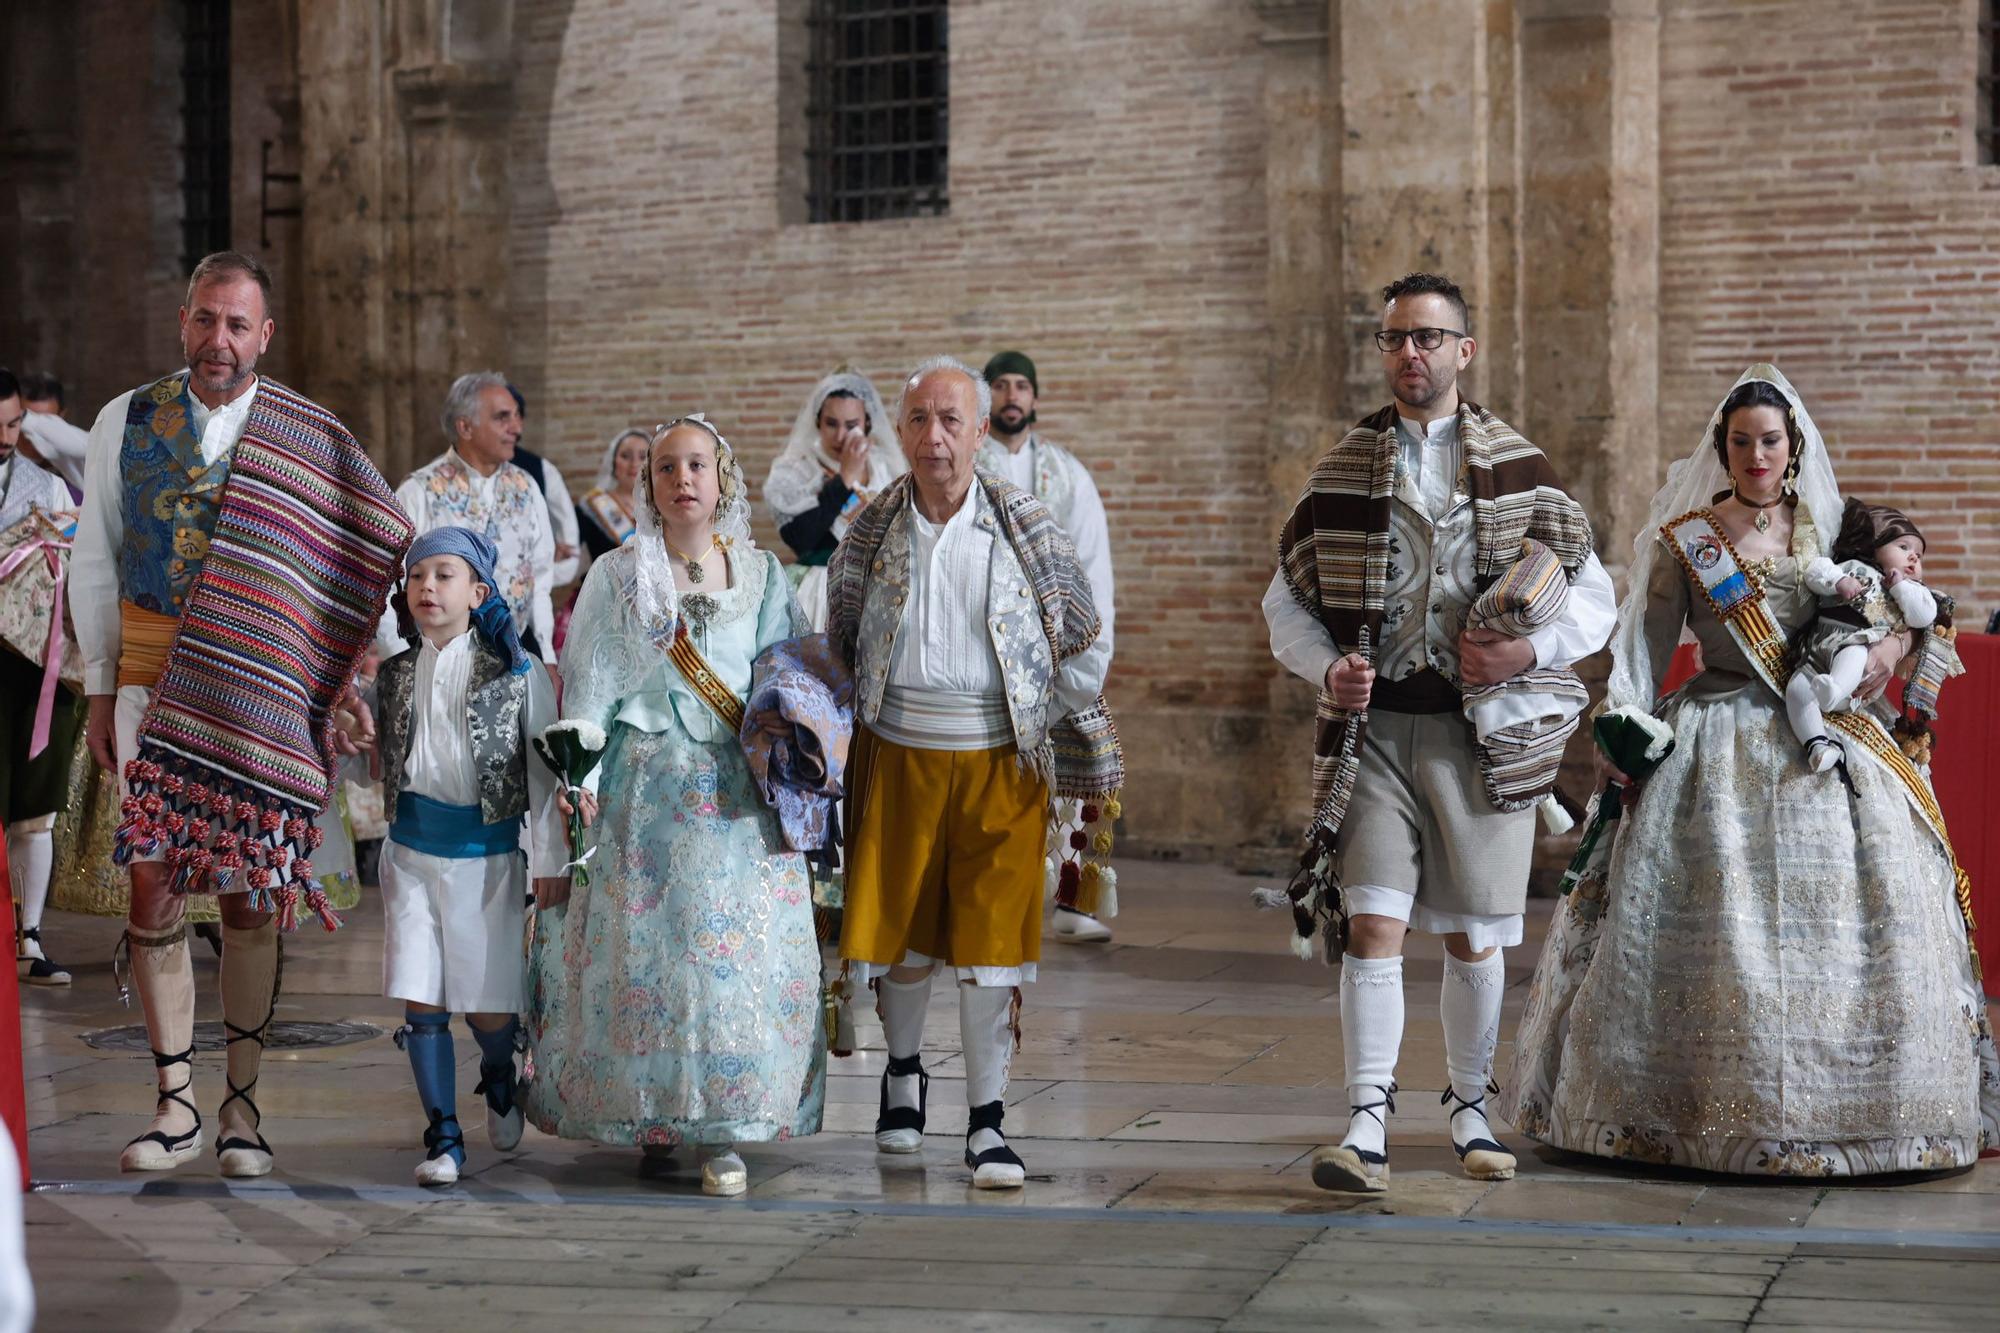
841	453
608	513
674	996
1770	973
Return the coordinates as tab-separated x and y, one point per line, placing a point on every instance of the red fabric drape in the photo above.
13	1090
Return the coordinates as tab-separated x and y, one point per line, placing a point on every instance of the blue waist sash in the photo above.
454	832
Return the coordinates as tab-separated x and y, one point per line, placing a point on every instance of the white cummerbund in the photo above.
943	719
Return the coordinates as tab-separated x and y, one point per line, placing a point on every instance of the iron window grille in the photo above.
205	129
879	114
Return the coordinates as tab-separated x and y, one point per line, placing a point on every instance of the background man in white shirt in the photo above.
1058	478
46	437
475	484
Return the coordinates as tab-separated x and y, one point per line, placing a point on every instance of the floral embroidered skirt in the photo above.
675	999
1772	977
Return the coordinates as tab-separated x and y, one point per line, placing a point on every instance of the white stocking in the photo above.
1802	707
30	857
1835	689
1371	1032
1469	1006
249	989
986	1031
163	976
902	1007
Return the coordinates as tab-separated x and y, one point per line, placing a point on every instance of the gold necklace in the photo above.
693	562
1763	520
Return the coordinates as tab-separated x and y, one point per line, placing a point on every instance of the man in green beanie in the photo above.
1053	475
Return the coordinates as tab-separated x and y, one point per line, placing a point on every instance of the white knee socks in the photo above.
1469	1006
986	1030
30	857
902	1007
1371	1030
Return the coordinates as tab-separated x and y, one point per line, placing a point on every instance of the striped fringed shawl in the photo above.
1069	614
1084	758
233	765
1334	554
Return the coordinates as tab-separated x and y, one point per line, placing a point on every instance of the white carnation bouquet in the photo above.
572	750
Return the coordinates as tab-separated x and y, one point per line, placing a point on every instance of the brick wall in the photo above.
1822	208
1106	216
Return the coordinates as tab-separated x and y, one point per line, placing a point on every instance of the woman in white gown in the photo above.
842	451
1771	974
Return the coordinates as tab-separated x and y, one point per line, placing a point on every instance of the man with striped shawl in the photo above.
1426	824
233	555
960	604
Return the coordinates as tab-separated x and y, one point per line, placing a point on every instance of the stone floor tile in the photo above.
1530	1200
1885	1209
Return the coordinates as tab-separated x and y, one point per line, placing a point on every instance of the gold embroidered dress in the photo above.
1772	975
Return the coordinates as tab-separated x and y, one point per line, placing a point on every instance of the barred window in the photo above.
878	122
205	129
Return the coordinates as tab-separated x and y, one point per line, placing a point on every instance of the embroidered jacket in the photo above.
495	701
1013	623
171	497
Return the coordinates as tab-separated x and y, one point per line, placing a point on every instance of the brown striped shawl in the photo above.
1334	554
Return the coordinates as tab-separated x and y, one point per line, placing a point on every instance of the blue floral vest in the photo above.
171	497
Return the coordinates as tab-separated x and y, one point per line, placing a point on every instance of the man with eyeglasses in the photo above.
1419	508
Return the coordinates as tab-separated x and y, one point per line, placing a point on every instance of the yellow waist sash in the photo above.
145	638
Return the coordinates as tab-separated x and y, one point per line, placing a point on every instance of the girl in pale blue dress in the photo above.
675	998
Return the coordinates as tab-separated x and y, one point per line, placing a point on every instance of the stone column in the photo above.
453	249
405	117
343	238
1426	173
1589	295
1307	357
1590	250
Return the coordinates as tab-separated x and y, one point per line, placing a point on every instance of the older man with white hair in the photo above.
960	603
475	484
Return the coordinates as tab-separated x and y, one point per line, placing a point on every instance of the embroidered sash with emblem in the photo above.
1732	592
704	681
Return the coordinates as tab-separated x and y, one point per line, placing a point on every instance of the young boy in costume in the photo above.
458	714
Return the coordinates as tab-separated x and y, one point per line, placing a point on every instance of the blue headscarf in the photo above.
492	618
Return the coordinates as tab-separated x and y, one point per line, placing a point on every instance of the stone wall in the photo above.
90	188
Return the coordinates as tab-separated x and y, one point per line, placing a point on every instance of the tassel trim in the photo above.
1080	843
221	835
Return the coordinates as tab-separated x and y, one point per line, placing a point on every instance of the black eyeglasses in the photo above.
1391	340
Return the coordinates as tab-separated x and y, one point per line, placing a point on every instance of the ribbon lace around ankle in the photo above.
1478	1107
904	1117
242	1094
172	1142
